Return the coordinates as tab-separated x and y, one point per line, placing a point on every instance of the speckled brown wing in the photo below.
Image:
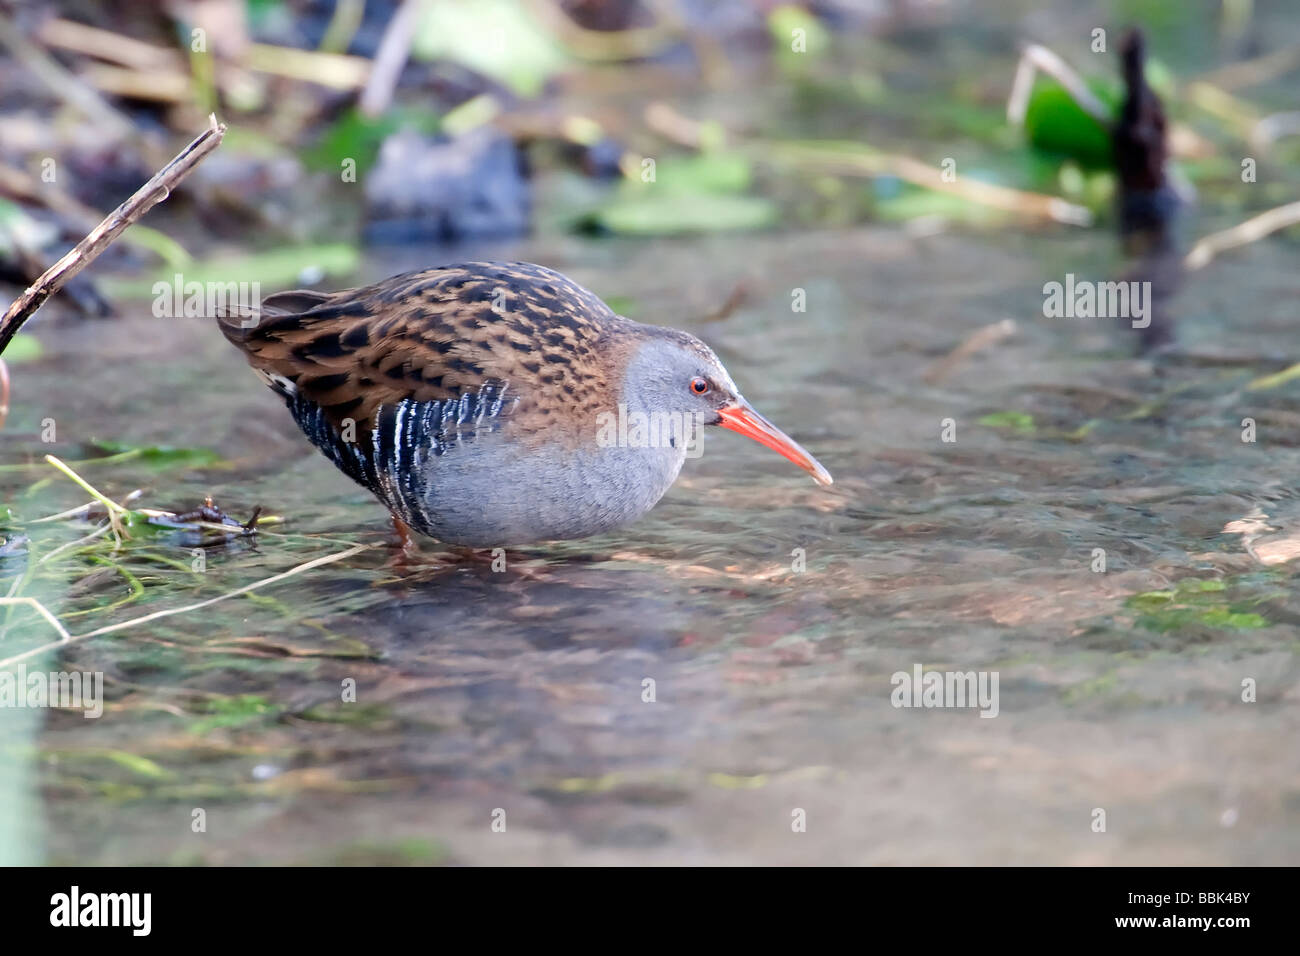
429	359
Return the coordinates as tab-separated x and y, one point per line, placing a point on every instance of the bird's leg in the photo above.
406	545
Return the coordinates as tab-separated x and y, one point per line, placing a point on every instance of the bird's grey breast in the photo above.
499	492
450	470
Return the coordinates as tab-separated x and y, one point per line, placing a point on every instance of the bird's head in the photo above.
674	372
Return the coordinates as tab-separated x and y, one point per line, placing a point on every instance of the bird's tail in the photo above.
243	321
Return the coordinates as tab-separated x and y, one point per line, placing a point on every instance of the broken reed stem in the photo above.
1244	233
69	545
66	638
44	612
979	340
1037	58
115	511
145	198
1245	73
835	158
394	50
108	503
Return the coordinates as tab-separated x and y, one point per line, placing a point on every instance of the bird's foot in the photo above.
406	550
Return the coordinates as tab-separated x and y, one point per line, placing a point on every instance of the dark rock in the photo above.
424	189
601	159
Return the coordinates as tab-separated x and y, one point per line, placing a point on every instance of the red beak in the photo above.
743	419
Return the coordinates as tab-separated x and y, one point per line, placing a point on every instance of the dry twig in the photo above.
145	198
982	338
66	638
1252	230
1037	58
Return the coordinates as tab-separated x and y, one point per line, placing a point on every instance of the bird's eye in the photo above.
699	386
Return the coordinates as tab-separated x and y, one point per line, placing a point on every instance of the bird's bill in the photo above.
743	419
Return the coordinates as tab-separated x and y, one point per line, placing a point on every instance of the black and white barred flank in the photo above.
393	458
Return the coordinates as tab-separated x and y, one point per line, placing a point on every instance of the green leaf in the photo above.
1181	618
697	194
622	305
813	37
914	202
497	38
1017	421
358	137
141	766
158	457
708	172
1192	602
1194	585
1056	124
675	214
275	269
160	244
233	712
24	348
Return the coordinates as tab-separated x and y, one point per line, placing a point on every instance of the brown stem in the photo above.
146	197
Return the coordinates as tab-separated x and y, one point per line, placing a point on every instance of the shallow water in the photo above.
522	691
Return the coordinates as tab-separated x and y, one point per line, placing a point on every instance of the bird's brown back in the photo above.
533	337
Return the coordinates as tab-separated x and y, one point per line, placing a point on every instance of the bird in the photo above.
493	404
